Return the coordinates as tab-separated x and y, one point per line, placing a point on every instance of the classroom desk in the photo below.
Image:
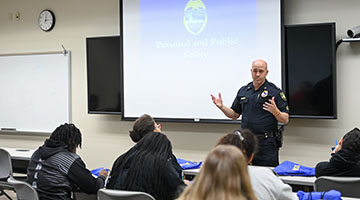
299	180
294	181
349	198
191	172
19	158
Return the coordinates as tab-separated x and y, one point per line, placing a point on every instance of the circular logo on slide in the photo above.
195	17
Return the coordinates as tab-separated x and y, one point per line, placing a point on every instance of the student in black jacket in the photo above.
55	168
147	167
345	159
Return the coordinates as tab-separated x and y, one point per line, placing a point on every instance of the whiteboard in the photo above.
35	91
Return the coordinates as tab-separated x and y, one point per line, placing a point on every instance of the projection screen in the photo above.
177	53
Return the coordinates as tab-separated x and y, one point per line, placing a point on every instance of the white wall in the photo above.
105	137
309	140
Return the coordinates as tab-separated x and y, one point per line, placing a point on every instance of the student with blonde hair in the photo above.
224	176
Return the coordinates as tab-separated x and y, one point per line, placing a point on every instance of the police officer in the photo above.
262	105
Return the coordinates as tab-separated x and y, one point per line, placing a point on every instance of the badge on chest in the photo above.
264	94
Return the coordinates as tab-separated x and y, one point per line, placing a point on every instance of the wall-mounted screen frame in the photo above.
310	65
104	80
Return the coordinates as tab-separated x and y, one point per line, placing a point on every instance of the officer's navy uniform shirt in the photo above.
249	104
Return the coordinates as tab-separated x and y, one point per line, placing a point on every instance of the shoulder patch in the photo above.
283	96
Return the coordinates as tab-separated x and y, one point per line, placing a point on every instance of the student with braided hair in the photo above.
55	168
264	181
345	159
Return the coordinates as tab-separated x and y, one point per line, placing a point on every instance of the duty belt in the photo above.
268	134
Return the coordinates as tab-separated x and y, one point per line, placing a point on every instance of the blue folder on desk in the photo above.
96	171
185	164
288	168
330	195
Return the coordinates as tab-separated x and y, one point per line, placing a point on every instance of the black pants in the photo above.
268	152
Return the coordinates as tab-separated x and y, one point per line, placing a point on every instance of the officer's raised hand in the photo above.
227	111
217	101
270	106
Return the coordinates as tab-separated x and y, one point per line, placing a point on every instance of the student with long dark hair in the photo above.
147	167
224	176
265	183
345	159
144	125
55	167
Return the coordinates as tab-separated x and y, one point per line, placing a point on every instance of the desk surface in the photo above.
20	158
19	153
299	180
192	172
294	180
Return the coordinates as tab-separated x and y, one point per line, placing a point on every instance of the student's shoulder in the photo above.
322	165
326	168
260	171
67	157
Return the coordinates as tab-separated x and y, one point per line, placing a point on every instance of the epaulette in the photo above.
247	86
273	85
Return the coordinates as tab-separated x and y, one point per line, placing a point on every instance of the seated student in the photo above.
55	167
143	125
345	159
146	124
147	167
265	183
224	175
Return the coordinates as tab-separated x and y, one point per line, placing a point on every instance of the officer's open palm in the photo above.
217	101
270	106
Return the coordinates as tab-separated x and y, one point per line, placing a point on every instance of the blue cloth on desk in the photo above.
185	164
288	168
96	171
330	195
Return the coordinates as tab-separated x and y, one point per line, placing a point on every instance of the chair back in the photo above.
23	190
109	194
78	195
348	186
5	165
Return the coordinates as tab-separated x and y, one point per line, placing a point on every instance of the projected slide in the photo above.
177	53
